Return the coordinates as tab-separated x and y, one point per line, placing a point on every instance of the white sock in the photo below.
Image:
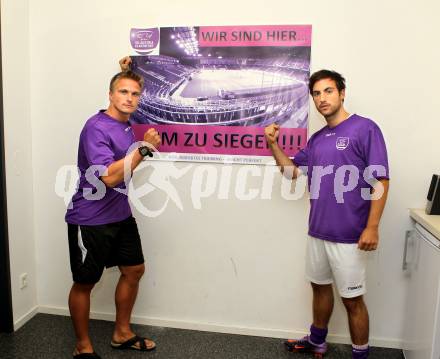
360	347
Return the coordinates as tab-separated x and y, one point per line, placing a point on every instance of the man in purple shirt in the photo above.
101	230
347	168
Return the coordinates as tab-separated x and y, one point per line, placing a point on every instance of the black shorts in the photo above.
94	247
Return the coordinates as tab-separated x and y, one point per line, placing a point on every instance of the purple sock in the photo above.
360	351
317	335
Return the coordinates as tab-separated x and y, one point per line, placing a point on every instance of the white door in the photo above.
423	297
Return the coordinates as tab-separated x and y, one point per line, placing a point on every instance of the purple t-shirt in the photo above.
341	164
103	141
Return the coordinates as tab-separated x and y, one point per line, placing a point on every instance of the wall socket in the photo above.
23	280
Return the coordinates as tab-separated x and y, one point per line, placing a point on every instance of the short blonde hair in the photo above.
126	75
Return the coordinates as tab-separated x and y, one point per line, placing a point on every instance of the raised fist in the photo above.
125	63
152	137
272	132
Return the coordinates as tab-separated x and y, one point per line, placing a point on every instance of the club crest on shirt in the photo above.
342	143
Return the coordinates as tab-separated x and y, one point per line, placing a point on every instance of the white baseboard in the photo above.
373	341
25	318
228	329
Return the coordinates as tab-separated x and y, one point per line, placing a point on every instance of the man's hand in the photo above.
272	132
152	138
125	63
369	239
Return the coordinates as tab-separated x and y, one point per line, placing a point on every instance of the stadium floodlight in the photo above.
186	38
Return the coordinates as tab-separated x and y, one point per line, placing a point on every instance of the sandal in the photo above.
131	344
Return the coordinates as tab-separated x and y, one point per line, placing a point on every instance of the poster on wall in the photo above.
211	90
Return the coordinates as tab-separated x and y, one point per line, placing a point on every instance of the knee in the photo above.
133	273
353	305
322	289
82	287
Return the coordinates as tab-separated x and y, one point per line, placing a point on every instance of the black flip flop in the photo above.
131	344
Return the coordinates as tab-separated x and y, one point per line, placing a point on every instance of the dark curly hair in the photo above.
327	74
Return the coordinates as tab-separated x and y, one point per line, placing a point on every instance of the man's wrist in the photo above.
373	226
273	145
145	151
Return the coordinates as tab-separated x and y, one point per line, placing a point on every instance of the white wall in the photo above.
18	155
236	265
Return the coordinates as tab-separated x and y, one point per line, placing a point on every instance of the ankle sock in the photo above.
360	351
317	335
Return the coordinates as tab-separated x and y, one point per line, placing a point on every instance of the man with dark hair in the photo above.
101	230
348	177
327	74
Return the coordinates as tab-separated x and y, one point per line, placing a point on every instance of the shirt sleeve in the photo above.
302	157
375	153
97	147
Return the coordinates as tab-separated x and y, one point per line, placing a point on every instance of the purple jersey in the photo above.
339	180
103	141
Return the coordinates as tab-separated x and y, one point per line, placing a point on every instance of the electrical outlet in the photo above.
23	280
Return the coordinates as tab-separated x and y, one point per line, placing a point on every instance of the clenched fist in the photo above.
152	138
125	63
272	132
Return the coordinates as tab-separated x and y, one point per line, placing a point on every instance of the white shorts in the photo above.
343	262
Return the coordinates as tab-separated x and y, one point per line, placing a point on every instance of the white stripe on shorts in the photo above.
81	246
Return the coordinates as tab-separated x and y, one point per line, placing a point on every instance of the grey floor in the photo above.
51	336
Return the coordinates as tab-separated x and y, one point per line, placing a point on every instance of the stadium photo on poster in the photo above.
211	90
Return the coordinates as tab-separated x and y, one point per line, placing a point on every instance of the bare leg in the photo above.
125	297
357	319
79	306
322	304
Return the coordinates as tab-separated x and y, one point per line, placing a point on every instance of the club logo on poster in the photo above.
144	41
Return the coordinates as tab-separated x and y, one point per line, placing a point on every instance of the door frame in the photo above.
6	314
